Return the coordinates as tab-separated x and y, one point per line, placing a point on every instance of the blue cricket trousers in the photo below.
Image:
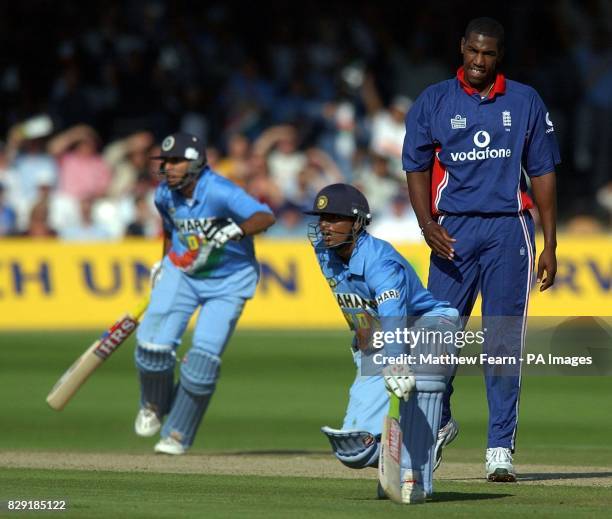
494	254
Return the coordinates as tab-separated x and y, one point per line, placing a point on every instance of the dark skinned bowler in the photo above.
471	143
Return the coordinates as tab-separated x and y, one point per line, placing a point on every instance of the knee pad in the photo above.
154	358
355	449
200	371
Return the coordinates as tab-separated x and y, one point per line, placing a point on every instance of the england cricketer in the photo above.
372	282
208	262
471	142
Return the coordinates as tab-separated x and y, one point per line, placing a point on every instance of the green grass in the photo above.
110	494
276	390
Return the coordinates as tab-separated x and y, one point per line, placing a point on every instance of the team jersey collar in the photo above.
357	261
499	87
200	189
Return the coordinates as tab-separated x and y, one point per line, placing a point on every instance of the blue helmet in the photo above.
343	200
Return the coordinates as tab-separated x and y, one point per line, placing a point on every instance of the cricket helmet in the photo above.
182	145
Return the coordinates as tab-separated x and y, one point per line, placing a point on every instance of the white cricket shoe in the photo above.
147	423
412	493
445	436
499	466
170	446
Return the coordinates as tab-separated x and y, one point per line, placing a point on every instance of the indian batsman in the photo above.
371	281
482	136
208	262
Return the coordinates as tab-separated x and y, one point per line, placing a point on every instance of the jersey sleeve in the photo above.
167	222
388	282
242	206
541	153
419	145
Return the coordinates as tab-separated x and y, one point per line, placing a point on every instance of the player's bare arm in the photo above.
436	236
257	223
544	190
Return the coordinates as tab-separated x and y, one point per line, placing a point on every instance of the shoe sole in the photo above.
501	476
160	451
446	442
148	433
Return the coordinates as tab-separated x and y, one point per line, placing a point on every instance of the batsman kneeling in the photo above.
377	289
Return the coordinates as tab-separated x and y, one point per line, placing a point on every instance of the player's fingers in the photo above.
541	268
392	386
440	247
548	281
447	237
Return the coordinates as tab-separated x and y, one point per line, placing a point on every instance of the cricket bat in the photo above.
96	354
390	452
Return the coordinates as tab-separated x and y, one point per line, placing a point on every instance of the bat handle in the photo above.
140	308
394	406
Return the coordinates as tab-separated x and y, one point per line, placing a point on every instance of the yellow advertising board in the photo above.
54	285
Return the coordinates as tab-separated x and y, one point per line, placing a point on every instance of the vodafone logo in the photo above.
482	139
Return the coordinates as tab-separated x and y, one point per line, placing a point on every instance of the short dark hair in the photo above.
487	27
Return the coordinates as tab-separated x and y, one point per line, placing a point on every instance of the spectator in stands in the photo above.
235	165
290	223
398	222
284	160
377	183
8	217
86	228
146	222
128	158
260	185
38	225
28	162
83	173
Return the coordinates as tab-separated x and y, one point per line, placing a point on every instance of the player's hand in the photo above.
399	380
547	263
438	239
155	273
221	230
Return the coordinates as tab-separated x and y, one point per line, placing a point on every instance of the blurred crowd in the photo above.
288	100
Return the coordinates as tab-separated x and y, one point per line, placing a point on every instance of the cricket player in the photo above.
372	283
208	262
471	144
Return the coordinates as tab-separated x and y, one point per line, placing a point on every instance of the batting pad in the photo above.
156	375
420	421
185	416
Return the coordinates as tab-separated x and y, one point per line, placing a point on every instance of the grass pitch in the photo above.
116	494
276	390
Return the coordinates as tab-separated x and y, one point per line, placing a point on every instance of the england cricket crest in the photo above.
506	119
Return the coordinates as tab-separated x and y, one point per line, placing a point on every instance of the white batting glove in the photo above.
399	380
221	230
155	273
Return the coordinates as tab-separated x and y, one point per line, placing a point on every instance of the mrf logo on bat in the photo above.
112	339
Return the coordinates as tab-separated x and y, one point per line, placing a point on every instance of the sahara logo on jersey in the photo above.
386	295
482	139
351	301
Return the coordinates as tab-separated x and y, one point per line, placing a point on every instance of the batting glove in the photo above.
399	380
221	230
155	273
